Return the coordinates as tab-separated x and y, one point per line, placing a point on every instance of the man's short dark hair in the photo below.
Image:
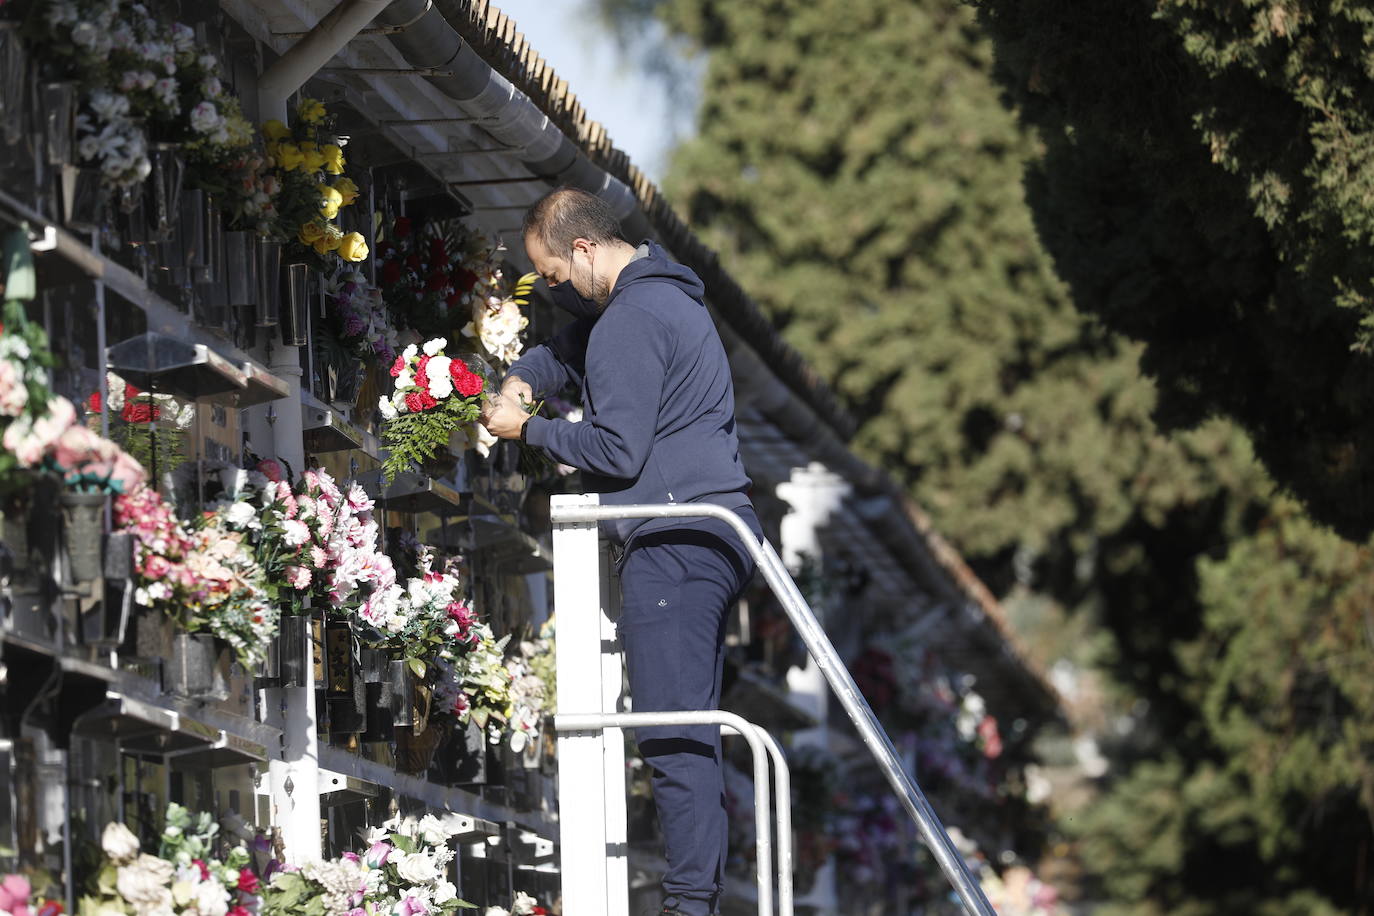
565	215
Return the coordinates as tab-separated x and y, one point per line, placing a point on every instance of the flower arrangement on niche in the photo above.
404	871
185	876
307	161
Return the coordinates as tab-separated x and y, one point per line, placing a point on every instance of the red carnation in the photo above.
248	882
421	374
427	401
391	272
140	412
437	250
130	392
398	367
464	279
94	402
402	227
414	404
413	262
465	381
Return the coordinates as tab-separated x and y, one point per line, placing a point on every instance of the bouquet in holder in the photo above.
435	396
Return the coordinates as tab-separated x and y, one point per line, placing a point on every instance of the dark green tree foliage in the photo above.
1207	188
857	172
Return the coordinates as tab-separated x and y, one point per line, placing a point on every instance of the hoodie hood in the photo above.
658	267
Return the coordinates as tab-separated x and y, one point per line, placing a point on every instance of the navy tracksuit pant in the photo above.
677	587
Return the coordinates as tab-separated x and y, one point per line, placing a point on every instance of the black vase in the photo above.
198	667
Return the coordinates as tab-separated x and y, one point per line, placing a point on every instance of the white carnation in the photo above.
389	411
432	347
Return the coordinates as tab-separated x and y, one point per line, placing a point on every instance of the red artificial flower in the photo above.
437	250
453	299
436	282
539	911
391	272
204	869
398	367
49	908
94	403
413	262
386	249
140	412
402	229
464	279
248	882
271	469
413	402
130	392
465	381
239	911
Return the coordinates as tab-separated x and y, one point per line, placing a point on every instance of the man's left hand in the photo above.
503	417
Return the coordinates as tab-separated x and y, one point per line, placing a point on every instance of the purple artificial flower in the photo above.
353	324
412	907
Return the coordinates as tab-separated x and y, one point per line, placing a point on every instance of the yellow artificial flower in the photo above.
311	233
290	157
353	247
314	159
333	158
275	130
347	189
311	111
330	201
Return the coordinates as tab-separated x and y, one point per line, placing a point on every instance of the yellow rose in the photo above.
321	247
333	158
289	156
347	189
330	201
275	130
311	233
314	160
311	111
353	247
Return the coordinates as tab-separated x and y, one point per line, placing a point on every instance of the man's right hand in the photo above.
514	390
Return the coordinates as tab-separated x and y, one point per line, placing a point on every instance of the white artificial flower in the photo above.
84	34
166	91
389	411
119	843
144	883
205	118
243	515
432	830
396	621
142	598
444	891
496	911
183	37
432	347
524	904
417	868
212	87
109	105
210	899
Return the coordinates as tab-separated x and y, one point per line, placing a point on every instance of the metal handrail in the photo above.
828	661
763	746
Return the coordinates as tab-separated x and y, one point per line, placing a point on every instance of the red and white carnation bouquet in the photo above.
435	395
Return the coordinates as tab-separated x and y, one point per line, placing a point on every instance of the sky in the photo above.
634	108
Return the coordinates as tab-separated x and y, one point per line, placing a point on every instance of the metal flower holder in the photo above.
14	85
83	525
198	667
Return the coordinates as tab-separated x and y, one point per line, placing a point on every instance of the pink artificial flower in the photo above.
298	577
412	906
318	558
156	567
248	882
204	869
14	892
14	395
351	857
377	854
76	447
294	532
272	470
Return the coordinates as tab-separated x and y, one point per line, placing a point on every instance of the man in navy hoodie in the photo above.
658	427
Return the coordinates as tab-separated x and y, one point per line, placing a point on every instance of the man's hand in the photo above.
518	389
503	416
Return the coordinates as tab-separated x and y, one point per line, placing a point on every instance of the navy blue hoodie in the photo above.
658	421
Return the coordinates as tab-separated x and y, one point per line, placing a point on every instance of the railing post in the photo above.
587	784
